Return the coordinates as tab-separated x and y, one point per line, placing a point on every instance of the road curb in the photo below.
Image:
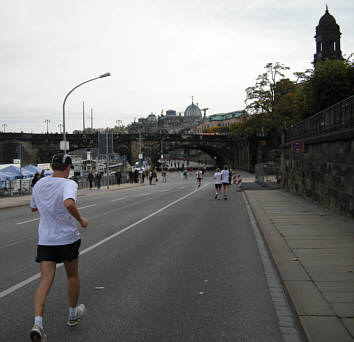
317	319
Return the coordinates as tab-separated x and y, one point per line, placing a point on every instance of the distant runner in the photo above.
217	177
199	176
59	240
225	180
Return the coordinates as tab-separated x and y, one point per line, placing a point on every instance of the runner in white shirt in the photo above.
199	176
217	177
225	180
58	239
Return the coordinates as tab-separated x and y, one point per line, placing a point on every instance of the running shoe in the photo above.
73	321
216	196
37	334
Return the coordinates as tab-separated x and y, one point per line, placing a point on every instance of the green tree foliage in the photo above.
332	82
276	102
261	97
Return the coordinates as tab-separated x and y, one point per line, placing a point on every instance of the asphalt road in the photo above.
173	264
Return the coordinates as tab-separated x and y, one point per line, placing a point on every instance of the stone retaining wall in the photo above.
323	172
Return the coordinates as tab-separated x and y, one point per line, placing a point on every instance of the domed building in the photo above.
193	111
192	116
327	38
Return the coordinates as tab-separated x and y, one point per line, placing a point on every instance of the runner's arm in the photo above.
70	205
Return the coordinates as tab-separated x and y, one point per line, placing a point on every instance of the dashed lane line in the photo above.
118	199
36	219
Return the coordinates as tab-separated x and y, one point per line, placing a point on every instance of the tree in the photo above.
262	96
332	82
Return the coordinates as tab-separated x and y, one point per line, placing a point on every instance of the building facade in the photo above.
170	122
220	120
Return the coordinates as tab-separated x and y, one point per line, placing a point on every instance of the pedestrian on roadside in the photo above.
35	179
90	178
185	173
150	177
199	176
98	178
225	181
217	177
164	175
118	177
131	177
42	175
59	240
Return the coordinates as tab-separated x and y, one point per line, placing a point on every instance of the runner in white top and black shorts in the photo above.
217	177
199	176
225	180
58	239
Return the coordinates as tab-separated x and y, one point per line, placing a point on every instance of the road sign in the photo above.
140	156
297	146
64	145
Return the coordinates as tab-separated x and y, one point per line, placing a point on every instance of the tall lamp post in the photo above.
67	95
47	122
4	127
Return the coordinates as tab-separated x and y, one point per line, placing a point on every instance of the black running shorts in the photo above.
217	186
58	254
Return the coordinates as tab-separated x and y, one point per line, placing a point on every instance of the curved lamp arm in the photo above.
67	95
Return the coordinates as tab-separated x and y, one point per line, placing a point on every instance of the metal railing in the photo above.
333	119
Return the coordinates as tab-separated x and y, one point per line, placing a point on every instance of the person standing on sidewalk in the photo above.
225	181
98	178
90	178
217	177
59	240
118	177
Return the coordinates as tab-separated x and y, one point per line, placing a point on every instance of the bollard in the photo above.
239	183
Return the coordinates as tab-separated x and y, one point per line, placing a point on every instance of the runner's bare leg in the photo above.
48	269
72	272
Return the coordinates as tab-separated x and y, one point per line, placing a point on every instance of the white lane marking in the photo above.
141	195
17	242
36	219
164	190
118	199
88	206
36	276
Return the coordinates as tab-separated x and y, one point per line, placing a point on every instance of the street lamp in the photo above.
4	127
47	122
67	95
60	126
119	124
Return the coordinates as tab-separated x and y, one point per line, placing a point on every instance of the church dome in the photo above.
327	21
193	111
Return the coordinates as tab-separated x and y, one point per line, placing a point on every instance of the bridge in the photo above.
39	148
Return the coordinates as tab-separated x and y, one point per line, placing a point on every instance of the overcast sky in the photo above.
159	52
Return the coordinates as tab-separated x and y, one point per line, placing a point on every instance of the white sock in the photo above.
72	312
38	321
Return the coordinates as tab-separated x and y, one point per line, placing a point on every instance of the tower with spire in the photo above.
327	38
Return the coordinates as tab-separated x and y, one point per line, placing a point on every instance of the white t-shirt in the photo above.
225	176
217	176
199	174
56	225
